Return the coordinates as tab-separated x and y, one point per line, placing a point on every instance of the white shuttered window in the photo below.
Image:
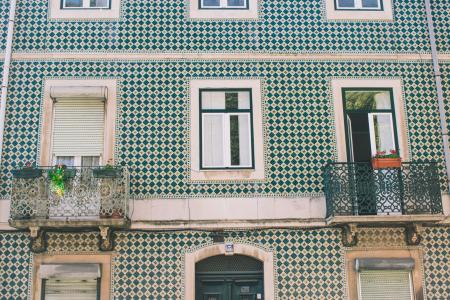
385	285
71	289
78	127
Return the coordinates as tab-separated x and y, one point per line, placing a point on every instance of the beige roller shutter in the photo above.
78	127
70	289
385	285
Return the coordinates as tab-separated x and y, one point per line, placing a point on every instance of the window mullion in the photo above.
358	4
223	3
86	4
227	142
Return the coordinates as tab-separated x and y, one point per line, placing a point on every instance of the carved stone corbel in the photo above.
106	242
350	235
38	240
413	234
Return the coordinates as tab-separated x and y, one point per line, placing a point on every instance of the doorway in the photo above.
370	124
236	277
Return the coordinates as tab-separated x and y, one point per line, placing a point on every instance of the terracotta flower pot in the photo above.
385	163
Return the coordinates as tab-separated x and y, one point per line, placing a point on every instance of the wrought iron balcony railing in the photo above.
354	189
86	193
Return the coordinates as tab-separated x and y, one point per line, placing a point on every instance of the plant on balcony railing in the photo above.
85	195
383	160
357	189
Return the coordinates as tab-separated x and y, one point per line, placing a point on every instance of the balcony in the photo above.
87	197
357	193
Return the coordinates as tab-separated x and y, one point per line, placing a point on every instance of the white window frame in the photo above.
86	5
373	142
411	286
58	12
359	6
226	139
255	174
199	12
383	14
224	5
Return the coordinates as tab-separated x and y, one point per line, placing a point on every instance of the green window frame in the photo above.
233	114
359	6
390	111
86	4
223	5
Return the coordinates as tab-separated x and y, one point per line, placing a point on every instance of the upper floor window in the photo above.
226	128
359	4
224	4
85	4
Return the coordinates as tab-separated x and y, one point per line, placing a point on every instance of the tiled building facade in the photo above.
296	57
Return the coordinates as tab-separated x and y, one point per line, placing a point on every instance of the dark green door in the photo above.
234	277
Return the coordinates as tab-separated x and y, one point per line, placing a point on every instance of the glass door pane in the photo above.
381	133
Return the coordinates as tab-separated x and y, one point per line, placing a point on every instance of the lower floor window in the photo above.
83	161
385	285
70	282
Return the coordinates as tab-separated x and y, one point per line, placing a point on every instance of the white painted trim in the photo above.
228	209
386	15
399	105
56	13
219	14
191	258
256	174
114	56
47	106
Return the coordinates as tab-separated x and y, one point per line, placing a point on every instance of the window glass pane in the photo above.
73	3
367	100
382	133
240	3
240	140
346	3
90	161
213	100
99	3
370	3
65	160
211	2
213	152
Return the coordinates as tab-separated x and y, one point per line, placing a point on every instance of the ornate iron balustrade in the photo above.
353	189
89	193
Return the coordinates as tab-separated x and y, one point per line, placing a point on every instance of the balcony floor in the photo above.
385	219
70	223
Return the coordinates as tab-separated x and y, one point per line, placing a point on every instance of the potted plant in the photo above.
382	160
58	177
108	171
27	172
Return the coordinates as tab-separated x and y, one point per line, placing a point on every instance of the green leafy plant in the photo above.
57	179
383	154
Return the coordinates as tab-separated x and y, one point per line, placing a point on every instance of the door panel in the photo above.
232	287
212	290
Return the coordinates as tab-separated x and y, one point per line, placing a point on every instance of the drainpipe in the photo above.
6	66
440	93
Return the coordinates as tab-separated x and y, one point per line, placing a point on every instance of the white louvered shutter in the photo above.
385	285
78	127
70	289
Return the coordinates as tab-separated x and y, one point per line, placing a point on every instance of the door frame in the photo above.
391	111
266	256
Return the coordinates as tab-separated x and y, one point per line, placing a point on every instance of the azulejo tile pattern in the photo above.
441	17
4	13
288	26
154	119
437	263
15	262
149	265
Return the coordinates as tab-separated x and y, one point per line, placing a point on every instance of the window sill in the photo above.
202	13
213	175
